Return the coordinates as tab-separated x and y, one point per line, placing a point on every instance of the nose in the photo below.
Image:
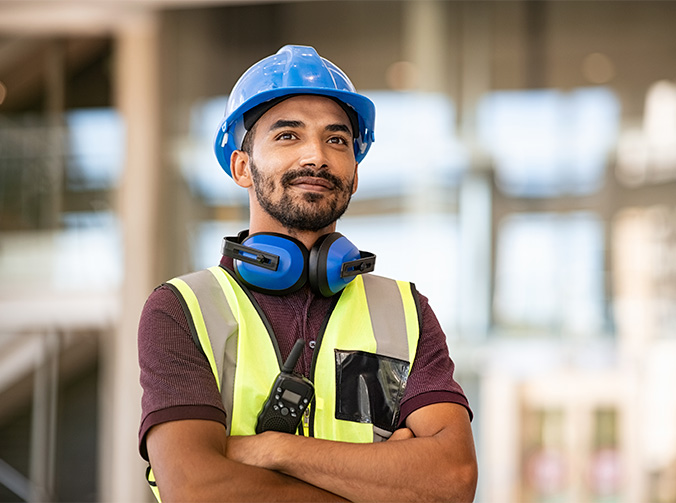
313	154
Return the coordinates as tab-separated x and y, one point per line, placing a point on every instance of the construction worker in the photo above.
366	407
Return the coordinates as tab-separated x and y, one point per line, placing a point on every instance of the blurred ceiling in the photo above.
75	33
93	17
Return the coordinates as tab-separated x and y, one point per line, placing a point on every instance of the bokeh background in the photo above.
523	175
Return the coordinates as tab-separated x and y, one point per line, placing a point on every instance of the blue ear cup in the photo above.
334	262
276	264
268	263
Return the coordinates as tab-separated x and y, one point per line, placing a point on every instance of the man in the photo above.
387	422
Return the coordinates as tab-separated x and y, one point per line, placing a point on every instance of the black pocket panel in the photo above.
369	388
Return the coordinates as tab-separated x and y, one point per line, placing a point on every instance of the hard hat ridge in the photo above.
292	71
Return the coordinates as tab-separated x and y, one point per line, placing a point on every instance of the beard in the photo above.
314	211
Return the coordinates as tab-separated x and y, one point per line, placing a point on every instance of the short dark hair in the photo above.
247	142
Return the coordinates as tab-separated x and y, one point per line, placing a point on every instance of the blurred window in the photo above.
31	155
644	275
197	161
416	145
95	148
647	154
88	254
547	143
85	256
550	273
54	237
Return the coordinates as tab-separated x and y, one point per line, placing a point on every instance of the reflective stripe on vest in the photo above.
373	314
150	477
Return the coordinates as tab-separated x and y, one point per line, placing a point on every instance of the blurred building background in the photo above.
524	176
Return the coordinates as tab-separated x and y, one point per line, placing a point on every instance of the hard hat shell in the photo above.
295	69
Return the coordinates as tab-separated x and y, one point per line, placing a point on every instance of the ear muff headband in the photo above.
276	264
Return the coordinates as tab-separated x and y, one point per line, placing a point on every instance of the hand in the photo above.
401	434
253	450
258	450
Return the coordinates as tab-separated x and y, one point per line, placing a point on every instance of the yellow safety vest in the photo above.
374	321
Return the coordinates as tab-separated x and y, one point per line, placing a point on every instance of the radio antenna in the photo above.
291	361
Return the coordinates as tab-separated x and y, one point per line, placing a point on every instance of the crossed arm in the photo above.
432	459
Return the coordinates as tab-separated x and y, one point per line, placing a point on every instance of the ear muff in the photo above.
276	264
269	263
334	262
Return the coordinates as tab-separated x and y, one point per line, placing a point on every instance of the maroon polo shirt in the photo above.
178	383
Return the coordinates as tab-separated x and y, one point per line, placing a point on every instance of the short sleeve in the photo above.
176	378
431	378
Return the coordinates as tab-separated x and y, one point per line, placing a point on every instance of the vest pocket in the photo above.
369	388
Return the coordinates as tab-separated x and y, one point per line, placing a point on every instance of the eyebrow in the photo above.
283	123
286	123
337	128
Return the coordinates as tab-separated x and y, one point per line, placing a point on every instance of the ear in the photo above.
355	183
239	167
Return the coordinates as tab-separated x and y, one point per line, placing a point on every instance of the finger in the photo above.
402	434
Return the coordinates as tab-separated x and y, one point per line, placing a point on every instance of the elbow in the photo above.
183	489
194	494
460	484
468	478
174	493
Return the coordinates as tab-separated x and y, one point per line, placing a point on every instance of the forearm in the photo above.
189	462
223	481
433	461
408	470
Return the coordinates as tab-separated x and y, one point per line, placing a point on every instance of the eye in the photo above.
339	140
287	135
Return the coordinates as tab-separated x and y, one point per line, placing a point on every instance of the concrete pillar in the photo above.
475	191
137	82
423	44
424	50
501	431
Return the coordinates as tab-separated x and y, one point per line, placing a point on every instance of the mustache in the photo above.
290	176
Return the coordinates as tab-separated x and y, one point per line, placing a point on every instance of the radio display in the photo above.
290	396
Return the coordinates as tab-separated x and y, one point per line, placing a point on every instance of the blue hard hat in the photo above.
295	69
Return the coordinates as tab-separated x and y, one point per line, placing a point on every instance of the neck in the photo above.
260	221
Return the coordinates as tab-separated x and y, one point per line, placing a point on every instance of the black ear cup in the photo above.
276	264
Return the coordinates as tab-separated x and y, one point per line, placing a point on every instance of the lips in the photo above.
312	181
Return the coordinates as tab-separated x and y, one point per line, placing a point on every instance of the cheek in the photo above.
264	182
355	183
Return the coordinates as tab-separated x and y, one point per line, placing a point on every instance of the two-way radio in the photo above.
290	396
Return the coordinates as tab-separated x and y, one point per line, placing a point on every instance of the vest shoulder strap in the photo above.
220	310
391	305
208	312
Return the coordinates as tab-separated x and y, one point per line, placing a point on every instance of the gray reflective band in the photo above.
388	318
380	435
218	319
